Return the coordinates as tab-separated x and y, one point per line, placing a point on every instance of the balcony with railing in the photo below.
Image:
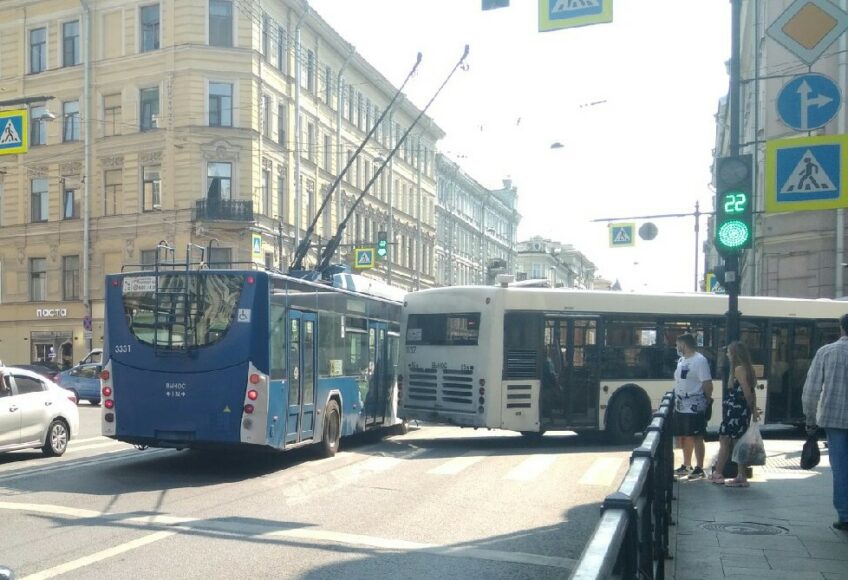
238	210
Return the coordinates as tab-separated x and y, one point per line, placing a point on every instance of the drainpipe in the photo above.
340	104
839	279
297	126
86	191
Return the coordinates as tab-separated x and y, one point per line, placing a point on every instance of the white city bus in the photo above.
540	359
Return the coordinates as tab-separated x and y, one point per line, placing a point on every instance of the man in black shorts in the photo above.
693	391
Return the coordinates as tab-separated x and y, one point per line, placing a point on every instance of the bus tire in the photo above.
532	437
332	430
624	419
402	428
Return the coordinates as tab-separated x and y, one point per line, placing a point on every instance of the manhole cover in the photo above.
745	528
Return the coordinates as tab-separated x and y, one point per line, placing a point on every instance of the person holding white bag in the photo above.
738	408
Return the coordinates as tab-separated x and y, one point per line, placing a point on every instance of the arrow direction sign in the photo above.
808	102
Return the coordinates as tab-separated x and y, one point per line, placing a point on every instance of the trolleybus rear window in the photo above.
187	311
443	329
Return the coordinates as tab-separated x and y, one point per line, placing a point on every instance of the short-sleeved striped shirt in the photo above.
827	380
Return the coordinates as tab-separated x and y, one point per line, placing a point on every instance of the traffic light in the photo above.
734	215
382	245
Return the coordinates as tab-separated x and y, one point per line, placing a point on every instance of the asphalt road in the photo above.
439	502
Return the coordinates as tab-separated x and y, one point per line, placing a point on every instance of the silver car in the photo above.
35	413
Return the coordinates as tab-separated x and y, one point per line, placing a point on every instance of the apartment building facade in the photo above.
476	227
562	265
798	253
192	124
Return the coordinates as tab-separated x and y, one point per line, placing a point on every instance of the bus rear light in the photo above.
480	409
254	379
107	391
252	395
116	282
251	279
109	417
248	408
104	374
109	404
482	383
482	391
482	400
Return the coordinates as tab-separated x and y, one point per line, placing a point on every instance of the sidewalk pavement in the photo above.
780	527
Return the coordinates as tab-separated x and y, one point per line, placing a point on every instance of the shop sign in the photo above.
51	312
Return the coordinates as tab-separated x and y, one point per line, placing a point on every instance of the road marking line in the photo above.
98	556
76	463
404	545
99	446
89	439
178	524
602	471
531	468
458	464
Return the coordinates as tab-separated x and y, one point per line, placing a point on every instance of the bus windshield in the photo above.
186	311
443	329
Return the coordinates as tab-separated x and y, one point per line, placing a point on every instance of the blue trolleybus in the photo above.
200	358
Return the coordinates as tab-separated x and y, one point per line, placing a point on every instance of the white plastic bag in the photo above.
749	449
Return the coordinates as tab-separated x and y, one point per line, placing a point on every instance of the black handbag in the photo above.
810	454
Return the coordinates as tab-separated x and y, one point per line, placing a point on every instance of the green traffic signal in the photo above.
734	215
382	245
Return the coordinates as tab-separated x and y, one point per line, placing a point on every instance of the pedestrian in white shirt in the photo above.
693	392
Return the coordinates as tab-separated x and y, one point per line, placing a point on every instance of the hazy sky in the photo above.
633	102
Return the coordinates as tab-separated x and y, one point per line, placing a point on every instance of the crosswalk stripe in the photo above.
99	446
531	468
89	440
602	471
458	464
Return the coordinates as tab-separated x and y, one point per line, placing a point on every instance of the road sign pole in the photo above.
731	260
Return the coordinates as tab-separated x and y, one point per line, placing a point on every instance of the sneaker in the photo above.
682	470
697	473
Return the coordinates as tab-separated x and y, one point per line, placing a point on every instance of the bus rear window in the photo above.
187	311
443	329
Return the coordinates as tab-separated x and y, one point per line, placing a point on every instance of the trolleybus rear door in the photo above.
379	383
301	364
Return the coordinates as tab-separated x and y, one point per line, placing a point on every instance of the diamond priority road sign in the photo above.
808	27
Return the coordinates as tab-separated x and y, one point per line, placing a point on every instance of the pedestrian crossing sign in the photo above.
14	128
621	235
256	246
806	173
363	258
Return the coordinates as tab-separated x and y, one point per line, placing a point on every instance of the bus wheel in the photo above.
624	419
332	430
402	428
532	437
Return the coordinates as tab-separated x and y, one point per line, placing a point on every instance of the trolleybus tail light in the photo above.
482	391
109	417
104	374
107	391
248	408
482	382
482	400
115	282
254	379
251	279
252	395
109	404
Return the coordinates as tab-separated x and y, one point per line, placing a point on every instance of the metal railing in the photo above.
240	210
631	539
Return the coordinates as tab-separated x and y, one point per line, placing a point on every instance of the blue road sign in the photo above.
13	132
621	235
808	173
557	14
363	258
808	102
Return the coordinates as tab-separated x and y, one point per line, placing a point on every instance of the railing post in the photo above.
627	562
